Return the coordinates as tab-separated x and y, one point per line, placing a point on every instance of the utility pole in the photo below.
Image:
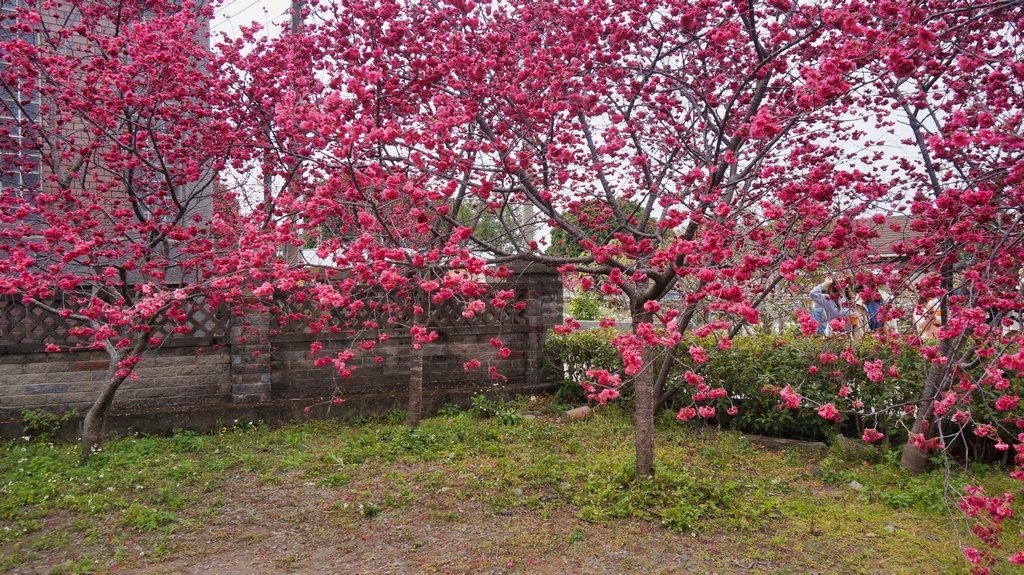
296	16
293	254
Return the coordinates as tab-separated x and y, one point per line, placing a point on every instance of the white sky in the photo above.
231	15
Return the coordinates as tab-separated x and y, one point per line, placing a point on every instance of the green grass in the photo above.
785	508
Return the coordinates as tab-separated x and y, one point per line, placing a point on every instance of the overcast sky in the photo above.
233	14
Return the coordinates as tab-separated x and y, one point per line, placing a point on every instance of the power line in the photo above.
236	14
224	7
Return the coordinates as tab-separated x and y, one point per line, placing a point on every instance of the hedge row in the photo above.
757	365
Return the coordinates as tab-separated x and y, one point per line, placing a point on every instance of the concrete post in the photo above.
541	288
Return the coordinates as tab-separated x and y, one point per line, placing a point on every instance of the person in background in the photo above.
819	316
1012	323
869	309
927	317
833	302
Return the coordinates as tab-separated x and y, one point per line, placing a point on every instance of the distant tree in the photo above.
498	230
598	219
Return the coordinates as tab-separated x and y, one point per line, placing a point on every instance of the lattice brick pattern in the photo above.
449	314
203	322
22	325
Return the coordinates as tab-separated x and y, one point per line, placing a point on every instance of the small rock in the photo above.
517	492
890	528
855	485
578	413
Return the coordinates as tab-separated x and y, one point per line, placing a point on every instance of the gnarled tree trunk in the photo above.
914	459
94	426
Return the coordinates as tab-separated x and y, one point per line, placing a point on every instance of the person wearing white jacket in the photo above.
833	302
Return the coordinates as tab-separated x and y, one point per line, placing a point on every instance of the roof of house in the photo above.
894	231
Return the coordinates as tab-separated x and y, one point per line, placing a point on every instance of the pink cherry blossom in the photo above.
829	411
871	435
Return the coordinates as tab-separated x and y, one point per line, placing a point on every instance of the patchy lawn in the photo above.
464	494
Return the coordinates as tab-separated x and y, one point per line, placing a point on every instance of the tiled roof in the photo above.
894	231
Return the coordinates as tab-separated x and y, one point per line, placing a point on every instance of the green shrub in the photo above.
753	370
756	367
568	357
585	306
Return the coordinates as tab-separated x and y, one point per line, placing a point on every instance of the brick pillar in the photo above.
250	357
540	287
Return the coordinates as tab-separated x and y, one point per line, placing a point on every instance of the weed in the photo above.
85	566
51	541
369	510
169	497
486	408
291	560
187	441
244	425
395	417
450	410
41	425
145	518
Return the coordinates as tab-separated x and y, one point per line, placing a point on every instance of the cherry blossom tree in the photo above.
955	79
325	121
949	76
113	215
682	147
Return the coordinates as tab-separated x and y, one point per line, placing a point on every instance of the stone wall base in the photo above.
214	417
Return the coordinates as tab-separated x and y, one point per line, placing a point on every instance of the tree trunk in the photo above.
914	459
644	406
415	409
661	393
94	426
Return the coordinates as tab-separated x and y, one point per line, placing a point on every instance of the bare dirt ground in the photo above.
270	532
301	528
428	517
304	529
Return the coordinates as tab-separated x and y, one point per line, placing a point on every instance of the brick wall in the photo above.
241	367
179	376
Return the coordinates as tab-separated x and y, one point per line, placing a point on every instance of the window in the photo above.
19	109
